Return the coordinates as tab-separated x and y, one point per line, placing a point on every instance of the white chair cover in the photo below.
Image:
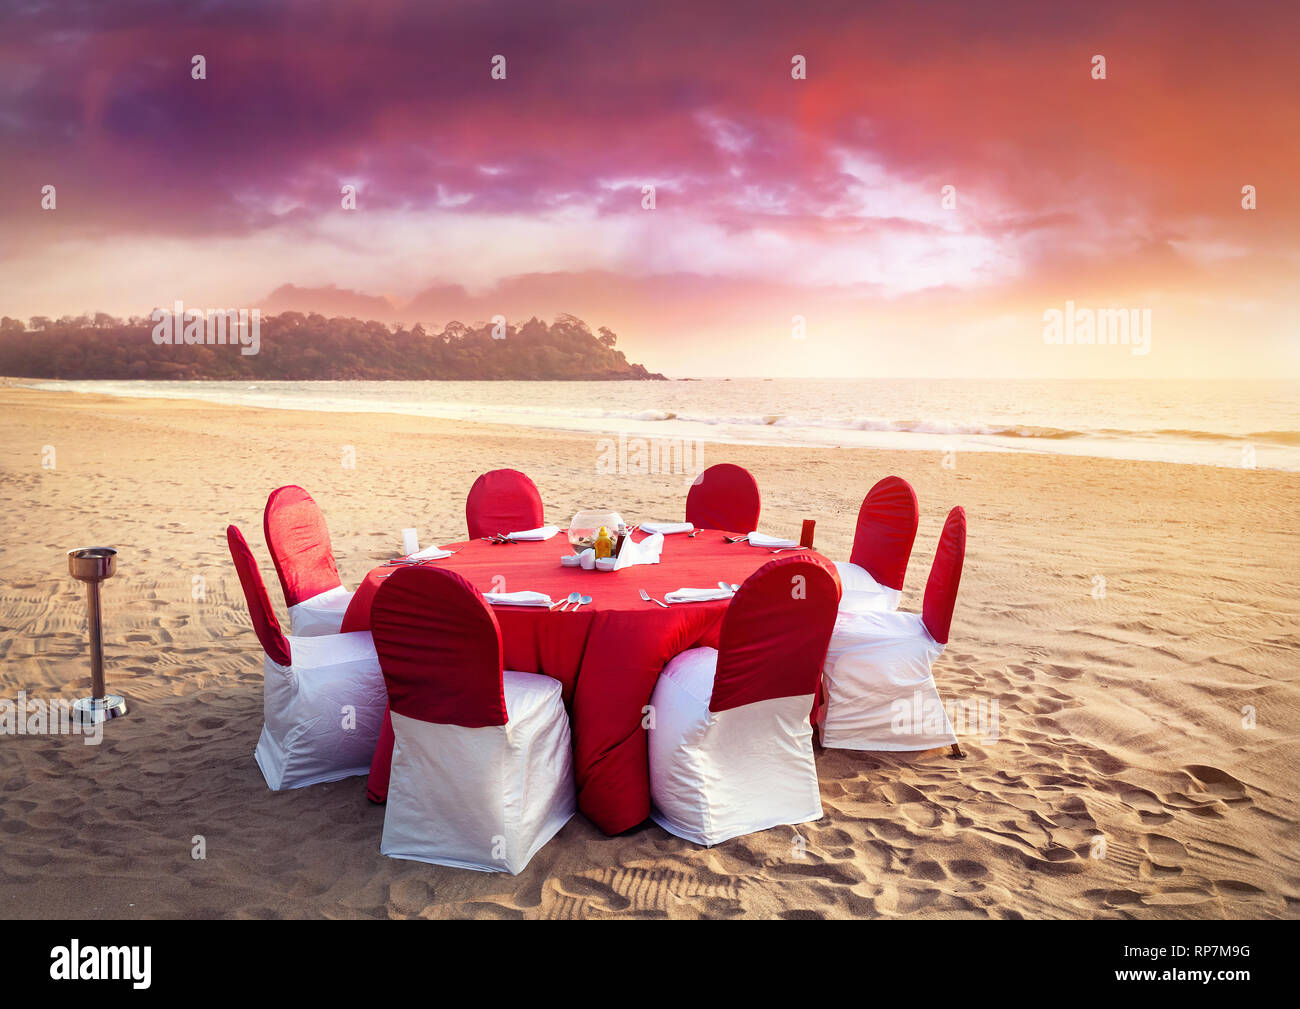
321	614
323	712
862	592
715	775
880	694
484	798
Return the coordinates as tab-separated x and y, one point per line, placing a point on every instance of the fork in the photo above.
736	539
651	599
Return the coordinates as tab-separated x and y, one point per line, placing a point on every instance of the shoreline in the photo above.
799	434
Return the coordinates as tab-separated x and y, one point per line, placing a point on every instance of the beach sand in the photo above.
1119	718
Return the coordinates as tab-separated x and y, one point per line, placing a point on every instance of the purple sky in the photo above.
775	197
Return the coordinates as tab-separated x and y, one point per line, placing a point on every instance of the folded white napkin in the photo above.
763	540
668	528
697	595
541	533
645	552
428	554
518	598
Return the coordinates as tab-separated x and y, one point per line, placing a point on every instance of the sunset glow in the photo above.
775	197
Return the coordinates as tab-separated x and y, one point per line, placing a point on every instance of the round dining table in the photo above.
607	654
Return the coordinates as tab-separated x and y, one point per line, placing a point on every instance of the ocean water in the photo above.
1215	423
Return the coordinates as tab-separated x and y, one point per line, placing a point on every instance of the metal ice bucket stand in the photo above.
93	565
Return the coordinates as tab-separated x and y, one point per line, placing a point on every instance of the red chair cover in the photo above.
945	577
725	497
439	646
300	544
776	632
886	531
272	639
502	501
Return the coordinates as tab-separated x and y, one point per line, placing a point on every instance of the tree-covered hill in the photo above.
297	346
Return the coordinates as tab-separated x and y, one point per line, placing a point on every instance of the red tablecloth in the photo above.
607	655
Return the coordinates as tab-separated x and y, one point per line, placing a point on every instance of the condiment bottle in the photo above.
603	545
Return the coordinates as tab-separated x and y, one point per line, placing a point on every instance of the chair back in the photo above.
502	501
725	497
272	639
299	543
439	647
887	521
776	632
945	577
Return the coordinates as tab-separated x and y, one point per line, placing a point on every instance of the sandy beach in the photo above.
1135	622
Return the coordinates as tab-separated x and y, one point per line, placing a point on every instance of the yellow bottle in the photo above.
603	545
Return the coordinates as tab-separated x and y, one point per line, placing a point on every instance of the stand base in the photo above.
89	710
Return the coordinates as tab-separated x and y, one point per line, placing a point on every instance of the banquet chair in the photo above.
882	545
879	689
300	548
724	497
482	773
502	501
730	738
323	696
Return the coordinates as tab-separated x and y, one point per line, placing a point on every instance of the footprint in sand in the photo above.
1113	898
1178	898
1154	870
1105	763
1217	782
1236	888
1164	846
898	792
967	869
895	899
409	896
929	870
1141	799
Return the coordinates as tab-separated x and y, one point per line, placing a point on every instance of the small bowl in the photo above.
605	563
571	560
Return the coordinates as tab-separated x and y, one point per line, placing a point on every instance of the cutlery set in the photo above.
577	599
745	539
407	562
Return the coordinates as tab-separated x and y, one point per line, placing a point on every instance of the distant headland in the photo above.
233	344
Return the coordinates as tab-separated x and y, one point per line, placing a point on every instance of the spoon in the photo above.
574	597
582	601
